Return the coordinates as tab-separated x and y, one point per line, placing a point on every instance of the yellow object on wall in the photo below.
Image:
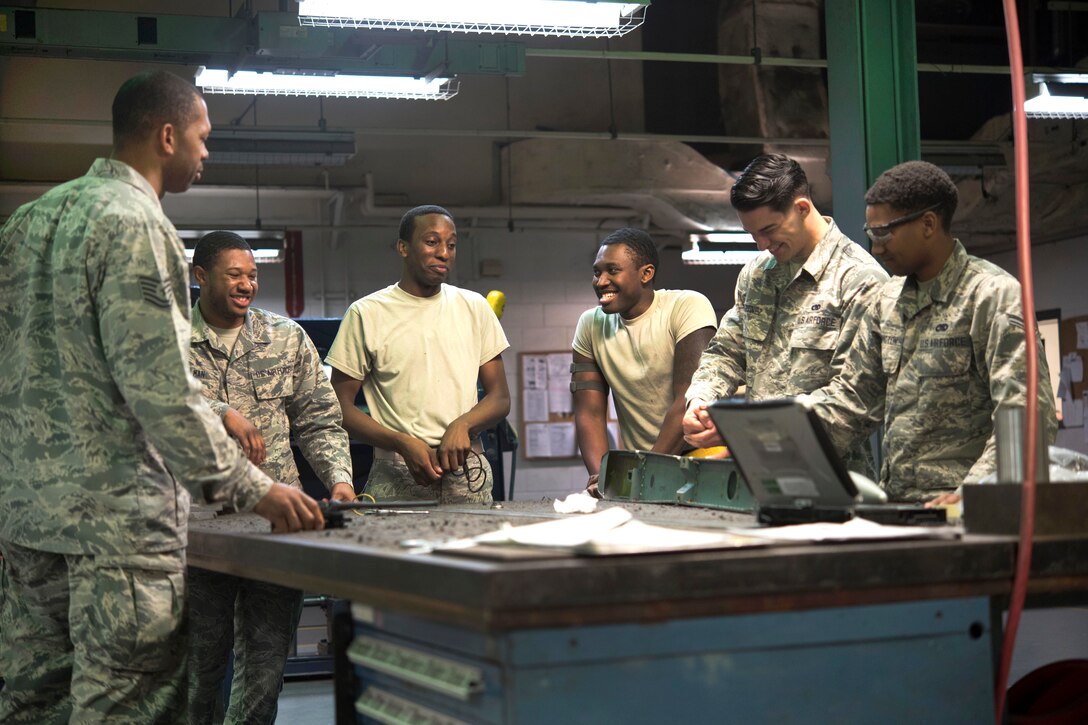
497	300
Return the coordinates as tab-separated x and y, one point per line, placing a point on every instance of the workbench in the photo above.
859	632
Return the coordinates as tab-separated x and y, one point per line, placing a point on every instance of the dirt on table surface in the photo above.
398	531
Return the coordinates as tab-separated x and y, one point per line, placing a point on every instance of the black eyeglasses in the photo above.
882	232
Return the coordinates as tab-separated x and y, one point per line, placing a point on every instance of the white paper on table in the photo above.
563	532
852	530
534	405
1082	335
636	537
1075	364
561	439
537	441
1072	412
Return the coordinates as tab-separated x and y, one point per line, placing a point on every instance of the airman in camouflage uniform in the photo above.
791	326
269	378
936	352
104	434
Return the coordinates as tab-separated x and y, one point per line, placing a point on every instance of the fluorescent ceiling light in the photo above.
267	244
1045	105
1059	77
601	18
733	248
274	83
740	238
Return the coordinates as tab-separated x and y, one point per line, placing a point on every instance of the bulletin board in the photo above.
1074	376
547	407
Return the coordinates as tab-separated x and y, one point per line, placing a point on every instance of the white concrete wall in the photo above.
546	279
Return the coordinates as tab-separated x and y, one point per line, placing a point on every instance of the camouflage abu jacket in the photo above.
275	380
104	433
786	336
933	370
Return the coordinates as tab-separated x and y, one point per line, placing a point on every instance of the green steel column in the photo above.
872	78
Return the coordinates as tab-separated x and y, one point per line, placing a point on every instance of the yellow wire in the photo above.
359	512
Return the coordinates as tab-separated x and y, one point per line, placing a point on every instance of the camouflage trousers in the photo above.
89	639
259	621
390	480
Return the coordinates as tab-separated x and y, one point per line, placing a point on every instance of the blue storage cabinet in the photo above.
928	661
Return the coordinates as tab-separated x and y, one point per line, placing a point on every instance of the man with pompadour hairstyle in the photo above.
792	323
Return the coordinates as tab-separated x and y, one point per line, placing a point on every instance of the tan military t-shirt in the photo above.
636	356
418	357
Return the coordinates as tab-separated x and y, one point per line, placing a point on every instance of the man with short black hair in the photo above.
263	377
105	434
417	348
792	324
938	350
640	342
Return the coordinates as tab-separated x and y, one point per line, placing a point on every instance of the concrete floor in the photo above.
306	702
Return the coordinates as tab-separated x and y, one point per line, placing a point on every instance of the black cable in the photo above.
474	471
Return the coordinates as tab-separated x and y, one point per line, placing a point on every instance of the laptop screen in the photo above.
783	453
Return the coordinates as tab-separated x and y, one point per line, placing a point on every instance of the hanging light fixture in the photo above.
267	244
1047	105
283	82
577	18
732	248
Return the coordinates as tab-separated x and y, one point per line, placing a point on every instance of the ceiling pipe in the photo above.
54	129
765	60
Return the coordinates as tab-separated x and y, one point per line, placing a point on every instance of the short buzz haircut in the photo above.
639	245
913	186
408	221
212	244
147	101
772	180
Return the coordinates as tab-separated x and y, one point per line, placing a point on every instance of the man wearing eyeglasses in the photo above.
938	350
791	326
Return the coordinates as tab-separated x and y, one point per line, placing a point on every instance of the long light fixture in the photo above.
1046	105
733	248
578	18
267	244
296	83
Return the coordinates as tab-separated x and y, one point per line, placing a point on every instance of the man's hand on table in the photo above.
591	486
289	509
945	499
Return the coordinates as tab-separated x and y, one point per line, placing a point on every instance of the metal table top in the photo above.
366	563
